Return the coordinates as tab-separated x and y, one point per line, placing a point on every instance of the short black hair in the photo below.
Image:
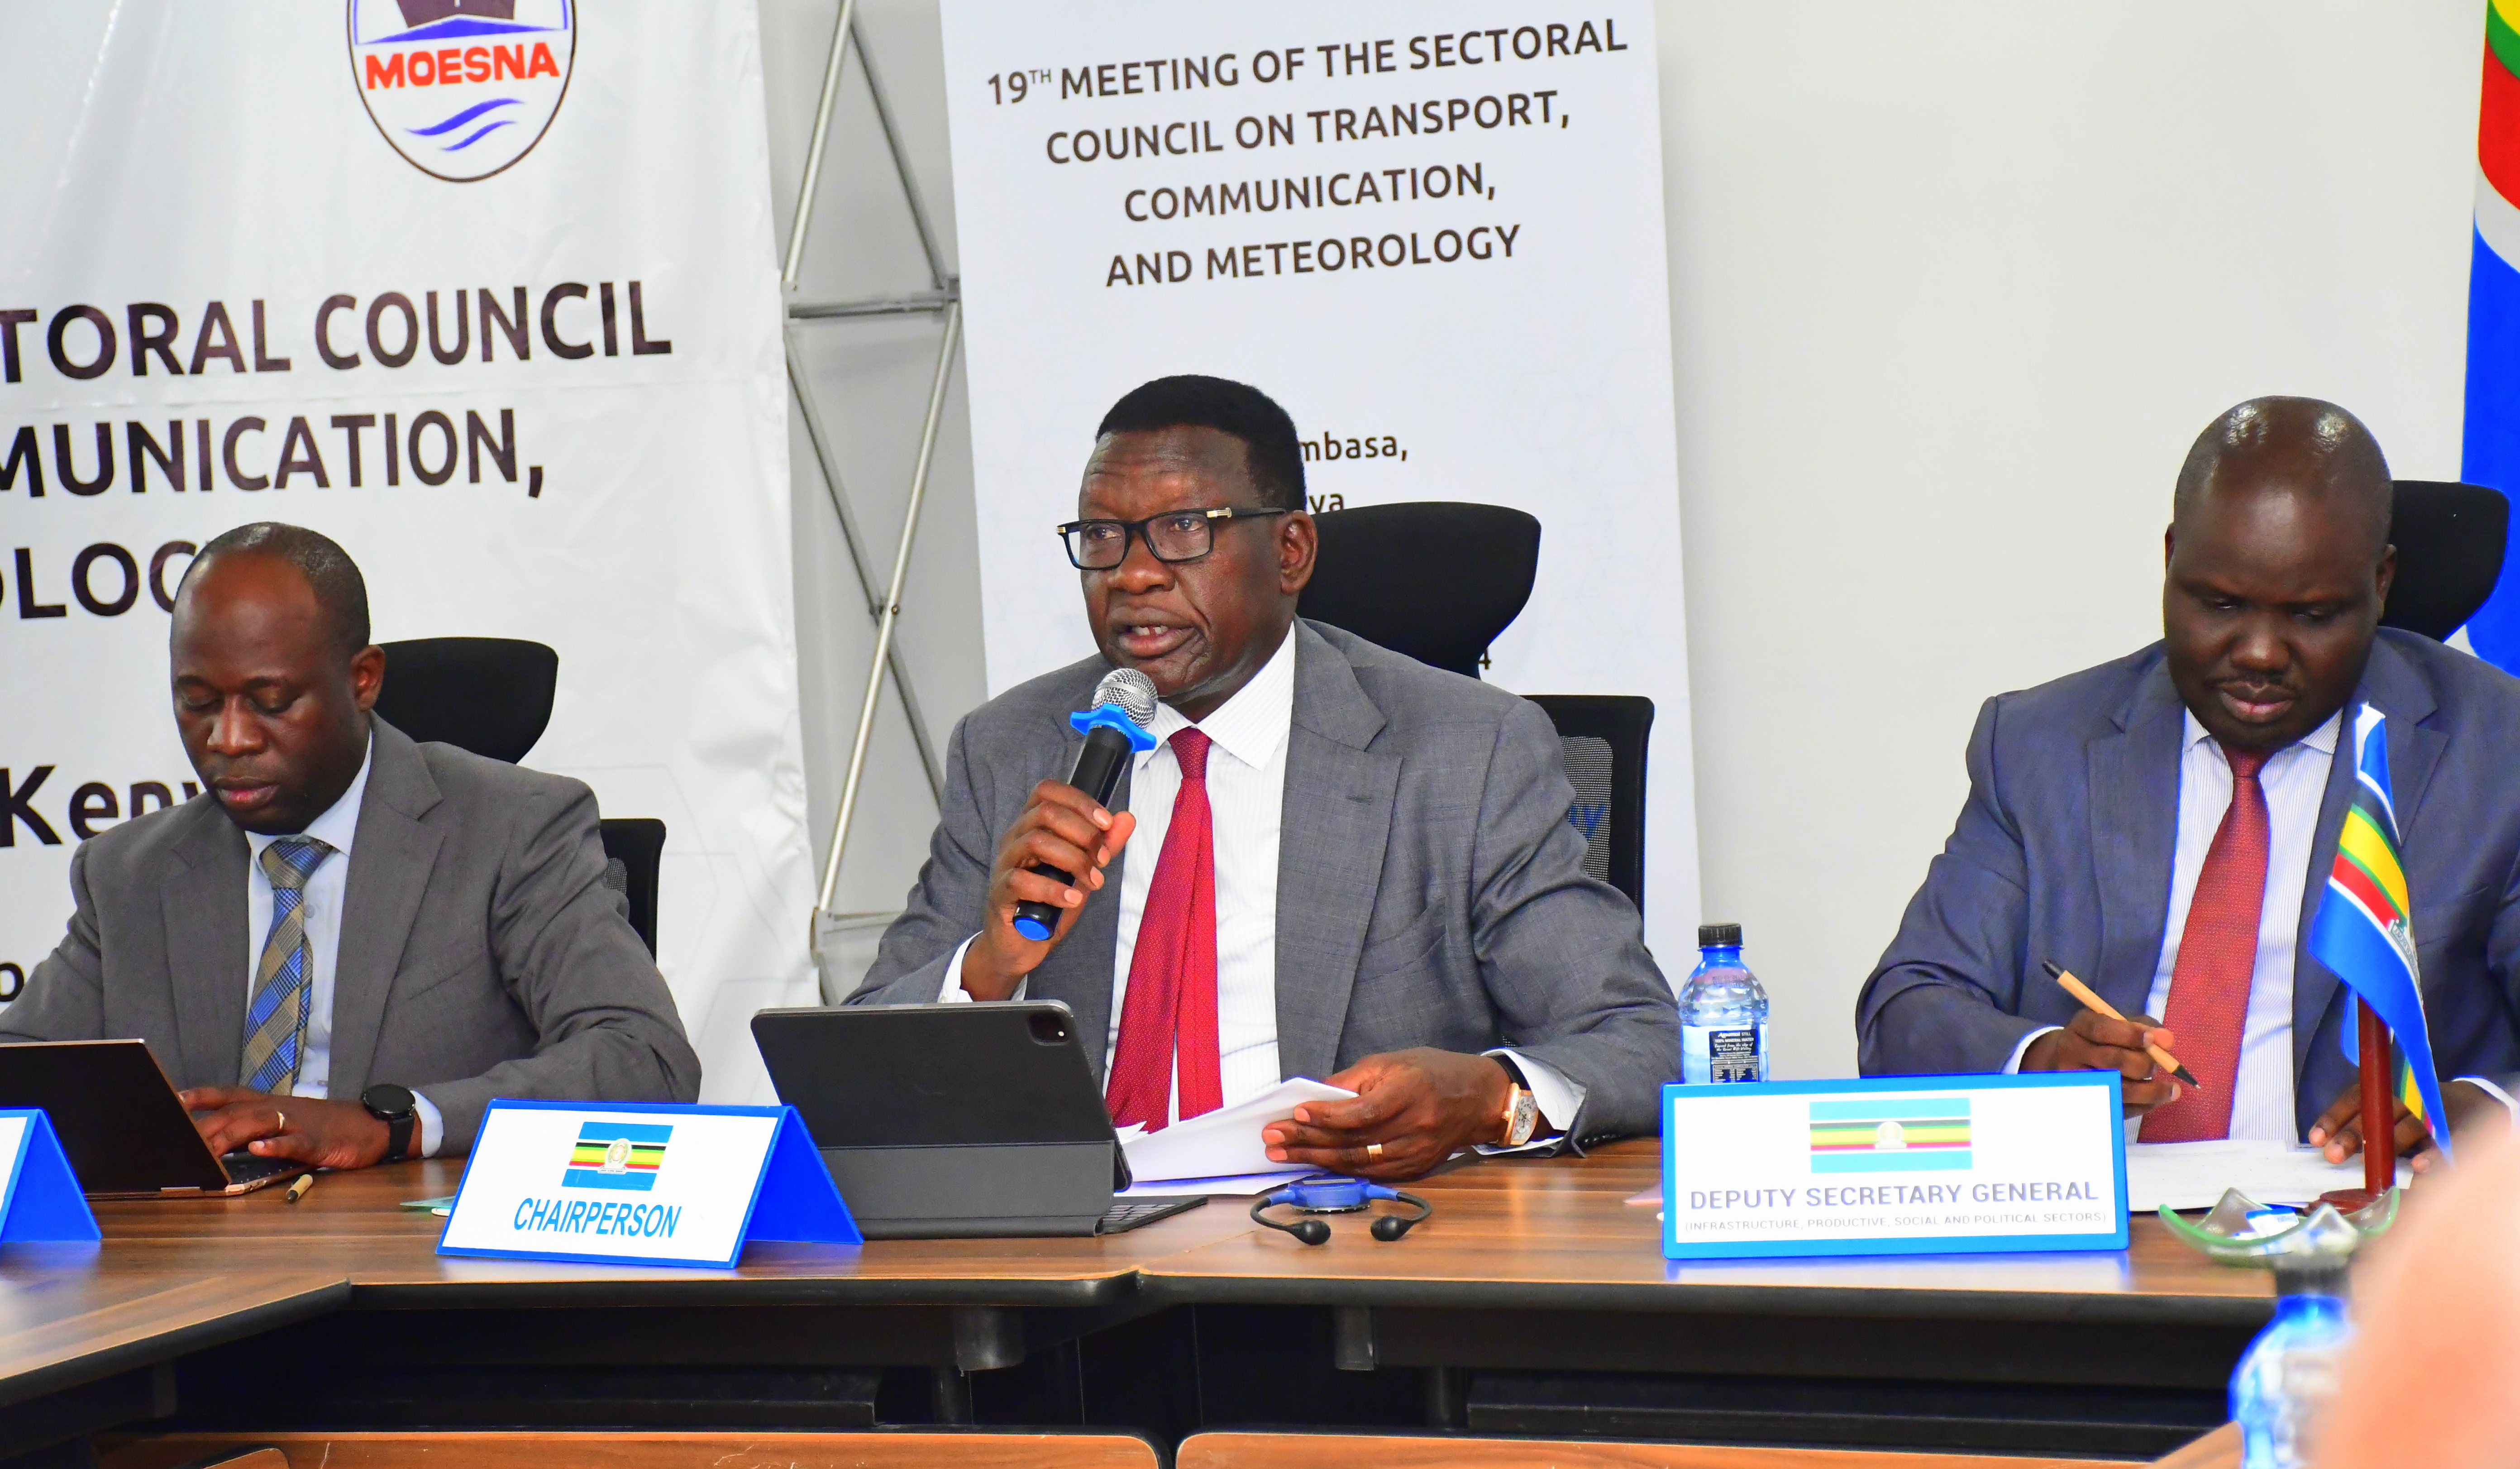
1275	455
340	590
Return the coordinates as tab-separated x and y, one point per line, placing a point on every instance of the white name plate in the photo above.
637	1184
1894	1165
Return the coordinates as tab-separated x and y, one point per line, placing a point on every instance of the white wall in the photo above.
1954	285
1954	282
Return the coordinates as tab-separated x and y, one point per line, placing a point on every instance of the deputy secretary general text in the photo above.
1351	866
2163	825
349	942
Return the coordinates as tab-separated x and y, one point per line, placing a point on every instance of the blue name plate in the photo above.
1894	1165
641	1183
40	1201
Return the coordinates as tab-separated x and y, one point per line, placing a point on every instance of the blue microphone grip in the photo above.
1110	738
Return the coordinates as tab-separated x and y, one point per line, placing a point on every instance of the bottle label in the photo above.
1734	1055
1723	1053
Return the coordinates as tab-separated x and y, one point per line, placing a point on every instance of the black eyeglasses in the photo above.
1176	535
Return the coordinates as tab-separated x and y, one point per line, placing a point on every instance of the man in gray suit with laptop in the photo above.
349	942
1345	864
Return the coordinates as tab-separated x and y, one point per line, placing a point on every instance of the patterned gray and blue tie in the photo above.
275	1024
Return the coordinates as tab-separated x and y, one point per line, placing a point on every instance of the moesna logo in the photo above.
461	88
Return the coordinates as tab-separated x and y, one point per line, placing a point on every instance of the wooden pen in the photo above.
298	1190
2092	1001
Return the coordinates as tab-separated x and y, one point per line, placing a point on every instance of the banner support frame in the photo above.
855	540
844	31
944	296
936	277
891	603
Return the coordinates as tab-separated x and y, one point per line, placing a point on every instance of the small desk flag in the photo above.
2365	929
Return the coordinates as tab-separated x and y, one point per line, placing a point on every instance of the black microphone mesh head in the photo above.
1133	692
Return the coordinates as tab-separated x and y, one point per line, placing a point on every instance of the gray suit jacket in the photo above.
2063	851
1429	889
482	955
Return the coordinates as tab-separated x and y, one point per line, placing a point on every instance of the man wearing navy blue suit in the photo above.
2163	825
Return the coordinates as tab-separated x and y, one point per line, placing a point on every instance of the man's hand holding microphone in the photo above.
1055	851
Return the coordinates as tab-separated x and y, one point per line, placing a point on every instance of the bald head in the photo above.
332	579
2310	450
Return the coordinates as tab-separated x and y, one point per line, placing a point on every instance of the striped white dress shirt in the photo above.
2295	780
1246	799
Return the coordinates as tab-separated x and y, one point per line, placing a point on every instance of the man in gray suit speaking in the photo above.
1346	864
347	943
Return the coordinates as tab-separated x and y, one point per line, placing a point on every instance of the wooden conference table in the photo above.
235	1306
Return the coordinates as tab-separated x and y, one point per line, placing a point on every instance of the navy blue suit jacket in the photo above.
2063	852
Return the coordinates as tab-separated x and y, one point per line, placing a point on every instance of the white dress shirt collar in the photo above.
2322	739
339	826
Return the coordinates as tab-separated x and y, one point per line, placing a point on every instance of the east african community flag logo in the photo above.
617	1156
1890	1134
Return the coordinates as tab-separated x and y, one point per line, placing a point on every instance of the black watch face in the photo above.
388	1101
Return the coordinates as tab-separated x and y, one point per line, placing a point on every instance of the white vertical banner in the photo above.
487	292
1433	232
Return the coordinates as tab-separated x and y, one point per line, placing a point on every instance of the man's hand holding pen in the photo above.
2092	1041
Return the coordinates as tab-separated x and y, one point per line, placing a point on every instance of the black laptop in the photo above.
119	1119
949	1122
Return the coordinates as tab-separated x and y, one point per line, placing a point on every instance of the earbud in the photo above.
1311	1231
1391	1227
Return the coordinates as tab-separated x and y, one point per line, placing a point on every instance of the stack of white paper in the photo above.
1223	1148
2193	1174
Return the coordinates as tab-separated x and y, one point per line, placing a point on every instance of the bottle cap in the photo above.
1719	935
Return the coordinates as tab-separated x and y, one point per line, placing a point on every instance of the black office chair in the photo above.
1431	578
489	695
633	852
493	696
1438	580
2450	539
1602	737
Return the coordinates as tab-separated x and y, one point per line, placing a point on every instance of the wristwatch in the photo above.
396	1108
1521	1117
1521	1109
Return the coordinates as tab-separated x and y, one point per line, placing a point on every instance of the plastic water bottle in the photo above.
2290	1373
1722	1012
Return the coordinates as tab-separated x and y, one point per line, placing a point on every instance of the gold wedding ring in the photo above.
283	1120
1374	1152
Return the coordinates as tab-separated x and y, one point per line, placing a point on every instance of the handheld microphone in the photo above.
1115	729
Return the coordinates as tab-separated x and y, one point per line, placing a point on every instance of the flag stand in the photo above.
2380	1144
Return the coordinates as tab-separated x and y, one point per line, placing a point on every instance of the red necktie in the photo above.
2209	985
1171	1005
